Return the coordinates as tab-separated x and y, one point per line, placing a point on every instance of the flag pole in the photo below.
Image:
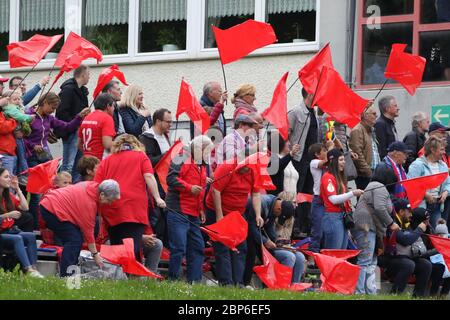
23	79
176	128
296	80
379	92
49	74
267	130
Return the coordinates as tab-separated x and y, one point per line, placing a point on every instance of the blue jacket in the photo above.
267	204
31	94
133	122
420	168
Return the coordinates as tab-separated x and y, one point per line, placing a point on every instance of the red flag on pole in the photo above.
335	98
341	254
74	42
277	112
238	41
40	177
258	163
309	75
405	68
124	255
188	103
231	231
417	187
106	76
32	51
442	245
162	168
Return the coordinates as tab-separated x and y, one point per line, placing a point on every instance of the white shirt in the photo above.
163	143
434	167
316	173
291	177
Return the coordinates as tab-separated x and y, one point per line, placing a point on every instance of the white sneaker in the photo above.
249	287
35	274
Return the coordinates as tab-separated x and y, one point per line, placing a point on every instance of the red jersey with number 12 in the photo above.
94	127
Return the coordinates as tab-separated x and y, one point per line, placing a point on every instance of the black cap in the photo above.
398	146
435	126
420	215
400	204
287	211
334	153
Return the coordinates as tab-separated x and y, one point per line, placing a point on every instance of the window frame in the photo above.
195	34
418	27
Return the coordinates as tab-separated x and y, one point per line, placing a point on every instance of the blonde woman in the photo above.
243	100
130	167
136	117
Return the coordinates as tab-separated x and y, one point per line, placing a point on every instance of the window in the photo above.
424	25
4	29
162	25
225	14
292	20
44	17
105	23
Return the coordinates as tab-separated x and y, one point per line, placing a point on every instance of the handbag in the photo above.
350	168
349	222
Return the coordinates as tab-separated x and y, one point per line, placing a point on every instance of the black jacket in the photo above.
278	177
386	133
415	141
133	121
73	100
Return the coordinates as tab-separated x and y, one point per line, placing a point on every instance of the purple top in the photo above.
40	129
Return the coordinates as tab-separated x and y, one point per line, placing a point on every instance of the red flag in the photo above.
231	231
258	163
335	98
272	273
106	76
277	112
188	103
32	51
442	245
417	187
337	275
341	254
124	255
303	197
309	75
73	43
238	41
405	68
40	178
162	168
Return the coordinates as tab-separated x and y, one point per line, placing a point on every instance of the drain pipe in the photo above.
351	17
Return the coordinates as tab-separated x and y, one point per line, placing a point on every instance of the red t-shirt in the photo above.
94	127
15	201
234	188
128	169
328	187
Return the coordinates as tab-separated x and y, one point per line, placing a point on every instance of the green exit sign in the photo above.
441	114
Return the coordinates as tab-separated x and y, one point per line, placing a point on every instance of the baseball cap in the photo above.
398	146
401	204
2	79
441	229
435	126
243	118
287	212
334	153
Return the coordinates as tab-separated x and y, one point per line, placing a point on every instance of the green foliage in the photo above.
169	36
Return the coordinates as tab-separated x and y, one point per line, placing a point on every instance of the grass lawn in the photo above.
16	286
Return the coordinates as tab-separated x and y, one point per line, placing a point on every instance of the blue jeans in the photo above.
22	164
71	237
71	155
367	260
436	213
24	245
335	236
296	261
185	240
317	213
9	163
230	265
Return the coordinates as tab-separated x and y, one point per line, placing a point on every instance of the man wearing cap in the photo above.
431	163
397	154
2	83
385	125
271	209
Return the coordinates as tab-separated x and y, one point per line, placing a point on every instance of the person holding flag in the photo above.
187	180
431	163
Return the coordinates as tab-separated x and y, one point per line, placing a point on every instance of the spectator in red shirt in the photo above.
7	140
130	167
70	213
230	192
187	180
23	243
97	130
336	199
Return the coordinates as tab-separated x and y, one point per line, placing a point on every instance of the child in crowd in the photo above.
438	262
62	179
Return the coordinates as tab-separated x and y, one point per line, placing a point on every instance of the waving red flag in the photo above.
32	51
188	103
162	168
106	76
40	177
417	187
238	41
405	68
277	112
124	255
75	42
272	273
309	75
442	245
258	163
231	231
335	98
341	254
